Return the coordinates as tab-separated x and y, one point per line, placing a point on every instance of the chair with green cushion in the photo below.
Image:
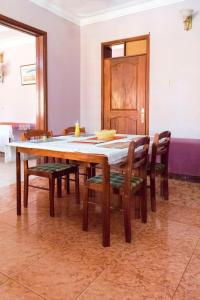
159	165
48	170
133	179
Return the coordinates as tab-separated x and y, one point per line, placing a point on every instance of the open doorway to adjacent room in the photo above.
23	86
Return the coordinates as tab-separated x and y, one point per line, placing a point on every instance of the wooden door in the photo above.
124	96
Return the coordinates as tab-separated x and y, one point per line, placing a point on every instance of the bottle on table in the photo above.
77	129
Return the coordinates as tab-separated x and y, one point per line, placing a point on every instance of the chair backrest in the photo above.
35	134
71	130
160	148
31	135
137	160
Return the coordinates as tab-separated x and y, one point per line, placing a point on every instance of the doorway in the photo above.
41	67
125	85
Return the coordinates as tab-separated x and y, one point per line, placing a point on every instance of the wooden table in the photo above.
103	156
86	158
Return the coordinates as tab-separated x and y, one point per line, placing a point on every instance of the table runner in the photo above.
116	145
95	140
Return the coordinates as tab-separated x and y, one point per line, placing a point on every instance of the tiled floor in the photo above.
7	171
52	258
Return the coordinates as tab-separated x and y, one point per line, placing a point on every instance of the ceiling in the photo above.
10	37
83	12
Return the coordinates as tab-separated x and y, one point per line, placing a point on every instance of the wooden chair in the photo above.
159	166
71	130
126	183
51	171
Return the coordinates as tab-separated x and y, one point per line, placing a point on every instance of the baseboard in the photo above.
184	177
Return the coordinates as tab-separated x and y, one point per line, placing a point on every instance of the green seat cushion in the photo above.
52	167
160	167
116	180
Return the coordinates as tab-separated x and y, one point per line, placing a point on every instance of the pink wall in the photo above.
174	67
63	59
18	102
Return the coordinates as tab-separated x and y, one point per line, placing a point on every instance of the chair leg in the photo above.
137	207
59	187
67	184
85	208
88	172
165	187
127	217
26	182
51	196
161	186
46	159
153	193
93	170
120	200
77	191
144	203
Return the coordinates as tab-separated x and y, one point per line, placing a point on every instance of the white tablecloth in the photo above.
64	144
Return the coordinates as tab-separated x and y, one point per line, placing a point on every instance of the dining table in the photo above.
87	149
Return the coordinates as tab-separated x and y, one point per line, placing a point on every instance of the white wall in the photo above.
17	101
174	67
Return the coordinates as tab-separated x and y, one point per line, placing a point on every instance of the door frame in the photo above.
41	67
116	42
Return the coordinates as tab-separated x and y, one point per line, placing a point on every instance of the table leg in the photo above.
106	205
18	182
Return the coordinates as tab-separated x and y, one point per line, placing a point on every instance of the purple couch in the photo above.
184	157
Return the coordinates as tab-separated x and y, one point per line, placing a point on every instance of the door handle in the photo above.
142	115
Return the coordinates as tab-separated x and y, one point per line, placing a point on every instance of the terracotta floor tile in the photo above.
178	192
55	277
6	230
173	237
14	291
149	272
65	231
3	278
8	199
19	222
20	250
189	287
197	249
182	214
107	290
53	259
7	196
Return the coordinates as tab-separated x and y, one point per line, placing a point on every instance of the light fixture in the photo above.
1	68
187	18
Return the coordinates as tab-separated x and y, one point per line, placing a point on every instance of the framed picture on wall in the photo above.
28	74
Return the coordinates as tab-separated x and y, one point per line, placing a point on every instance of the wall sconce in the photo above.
187	18
1	68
